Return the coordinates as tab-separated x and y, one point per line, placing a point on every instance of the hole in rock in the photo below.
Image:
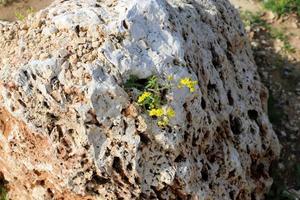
144	138
99	180
40	182
189	116
50	193
231	194
117	165
257	170
124	24
211	86
236	125
203	103
129	167
230	99
253	114
204	174
180	158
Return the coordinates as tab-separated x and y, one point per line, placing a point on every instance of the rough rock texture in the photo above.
69	129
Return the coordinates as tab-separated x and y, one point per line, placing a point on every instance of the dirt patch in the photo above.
248	5
21	8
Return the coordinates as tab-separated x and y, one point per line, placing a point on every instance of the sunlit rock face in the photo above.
70	130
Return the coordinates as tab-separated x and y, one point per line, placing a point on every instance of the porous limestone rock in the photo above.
69	129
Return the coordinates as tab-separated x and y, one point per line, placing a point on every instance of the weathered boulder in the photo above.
71	129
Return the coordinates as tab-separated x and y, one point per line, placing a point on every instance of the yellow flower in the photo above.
170	112
156	112
187	82
144	96
163	122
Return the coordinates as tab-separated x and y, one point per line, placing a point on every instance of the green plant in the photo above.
3	193
187	82
252	19
283	7
152	96
278	34
21	15
255	20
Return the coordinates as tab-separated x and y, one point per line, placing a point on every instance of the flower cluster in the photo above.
163	115
156	112
187	82
144	96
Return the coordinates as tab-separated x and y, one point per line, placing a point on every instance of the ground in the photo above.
20	8
275	41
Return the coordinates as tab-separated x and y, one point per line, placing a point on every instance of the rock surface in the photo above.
69	129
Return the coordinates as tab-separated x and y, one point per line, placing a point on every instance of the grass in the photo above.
252	19
283	7
255	20
278	34
22	15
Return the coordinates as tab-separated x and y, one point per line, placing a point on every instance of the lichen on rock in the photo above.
69	129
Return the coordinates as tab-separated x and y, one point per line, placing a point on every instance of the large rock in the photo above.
69	129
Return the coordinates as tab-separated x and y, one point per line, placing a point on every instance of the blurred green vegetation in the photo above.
21	15
4	2
279	190
255	20
283	7
3	193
